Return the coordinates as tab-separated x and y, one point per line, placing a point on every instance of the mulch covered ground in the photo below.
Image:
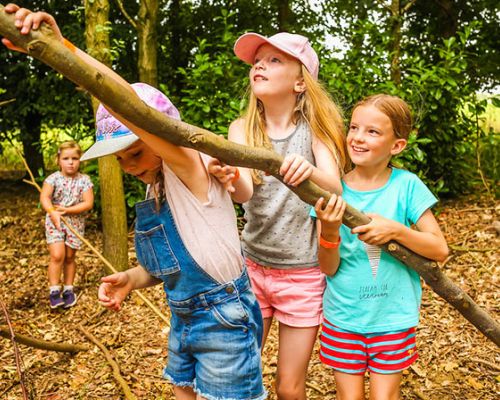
456	361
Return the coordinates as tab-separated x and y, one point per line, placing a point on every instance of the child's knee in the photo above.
57	257
287	390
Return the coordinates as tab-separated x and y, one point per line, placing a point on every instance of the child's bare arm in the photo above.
238	180
329	222
86	204
46	202
427	241
46	197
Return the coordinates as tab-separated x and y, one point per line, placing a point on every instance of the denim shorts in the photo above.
215	342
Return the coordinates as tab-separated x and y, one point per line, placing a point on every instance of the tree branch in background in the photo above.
126	14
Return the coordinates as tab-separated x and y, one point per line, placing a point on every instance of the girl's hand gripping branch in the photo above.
295	169
378	231
427	240
225	174
25	21
329	223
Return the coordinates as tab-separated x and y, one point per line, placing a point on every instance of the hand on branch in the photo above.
26	20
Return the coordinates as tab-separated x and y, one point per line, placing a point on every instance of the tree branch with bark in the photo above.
42	45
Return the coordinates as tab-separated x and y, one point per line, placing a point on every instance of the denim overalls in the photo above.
216	329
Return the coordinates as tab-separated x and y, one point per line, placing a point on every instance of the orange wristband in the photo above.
236	175
329	245
51	210
69	45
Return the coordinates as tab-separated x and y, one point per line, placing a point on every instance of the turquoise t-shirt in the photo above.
372	291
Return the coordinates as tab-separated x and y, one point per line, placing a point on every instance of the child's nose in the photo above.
259	64
359	136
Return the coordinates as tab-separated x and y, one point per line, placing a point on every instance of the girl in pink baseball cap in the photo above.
289	112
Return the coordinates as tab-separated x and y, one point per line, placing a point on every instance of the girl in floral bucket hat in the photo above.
188	241
289	112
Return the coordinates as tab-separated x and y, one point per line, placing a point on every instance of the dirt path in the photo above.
456	362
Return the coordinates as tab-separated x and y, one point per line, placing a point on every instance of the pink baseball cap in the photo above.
297	46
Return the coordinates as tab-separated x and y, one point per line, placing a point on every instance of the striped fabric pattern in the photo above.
353	353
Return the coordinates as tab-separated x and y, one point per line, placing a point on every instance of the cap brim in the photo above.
247	44
108	146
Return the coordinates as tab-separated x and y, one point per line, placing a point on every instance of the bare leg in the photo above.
266	327
349	386
295	349
385	387
57	253
69	266
184	393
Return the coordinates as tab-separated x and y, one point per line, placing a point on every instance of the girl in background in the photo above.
65	192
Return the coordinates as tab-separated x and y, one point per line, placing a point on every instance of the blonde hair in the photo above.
316	107
70	144
396	109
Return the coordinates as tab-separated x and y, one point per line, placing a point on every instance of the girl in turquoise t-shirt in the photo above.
371	303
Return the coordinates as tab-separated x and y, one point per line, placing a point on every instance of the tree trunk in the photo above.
30	138
448	18
395	43
284	15
147	41
41	45
114	220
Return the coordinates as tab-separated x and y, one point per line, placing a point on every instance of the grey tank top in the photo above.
279	232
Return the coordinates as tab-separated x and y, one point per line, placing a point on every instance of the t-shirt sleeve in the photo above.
86	183
51	179
420	198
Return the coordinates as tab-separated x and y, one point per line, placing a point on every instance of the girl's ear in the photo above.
398	146
300	86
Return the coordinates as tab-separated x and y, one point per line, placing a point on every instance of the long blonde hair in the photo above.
316	107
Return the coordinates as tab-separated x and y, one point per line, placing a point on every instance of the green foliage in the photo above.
211	97
438	90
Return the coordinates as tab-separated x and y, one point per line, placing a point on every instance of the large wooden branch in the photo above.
43	46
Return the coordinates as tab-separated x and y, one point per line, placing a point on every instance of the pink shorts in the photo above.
294	297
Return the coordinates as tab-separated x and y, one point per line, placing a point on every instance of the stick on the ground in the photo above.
113	364
42	344
10	334
44	46
109	266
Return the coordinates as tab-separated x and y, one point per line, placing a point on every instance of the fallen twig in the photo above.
41	344
494	367
315	387
20	372
471	250
114	365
